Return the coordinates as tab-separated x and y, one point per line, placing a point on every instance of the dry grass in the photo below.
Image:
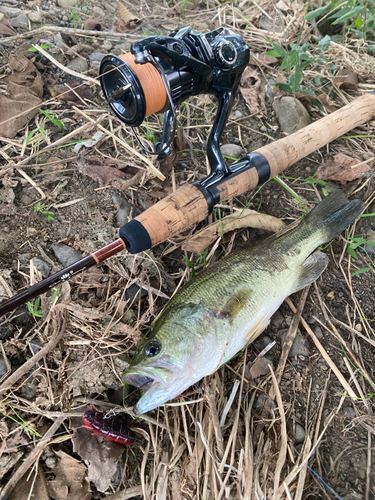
218	441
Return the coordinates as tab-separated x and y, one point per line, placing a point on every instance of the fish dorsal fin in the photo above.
234	305
311	269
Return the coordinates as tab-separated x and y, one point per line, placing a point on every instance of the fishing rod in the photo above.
159	73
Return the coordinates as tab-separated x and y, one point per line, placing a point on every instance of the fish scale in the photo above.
231	302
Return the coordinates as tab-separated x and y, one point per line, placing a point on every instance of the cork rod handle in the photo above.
188	205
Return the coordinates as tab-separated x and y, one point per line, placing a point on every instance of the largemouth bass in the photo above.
230	303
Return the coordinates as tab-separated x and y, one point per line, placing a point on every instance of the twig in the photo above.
74	31
284	436
215	418
291	335
324	353
26	367
32	457
152	167
64	68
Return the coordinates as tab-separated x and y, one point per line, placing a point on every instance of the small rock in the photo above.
133	292
288	320
10	12
262	343
116	396
78	64
370	249
66	254
318	332
124	210
24	258
300	434
359	327
129	317
3	367
36	16
42	267
300	345
98	12
277	320
260	402
96	56
106	45
21	21
238	114
349	411
52	12
231	150
7	195
291	113
66	4
6	330
122	48
22	318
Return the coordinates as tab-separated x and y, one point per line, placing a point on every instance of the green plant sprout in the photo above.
34	309
295	61
354	244
41	208
76	20
49	117
43	46
21	422
201	261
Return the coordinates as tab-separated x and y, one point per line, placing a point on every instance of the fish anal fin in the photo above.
234	305
311	269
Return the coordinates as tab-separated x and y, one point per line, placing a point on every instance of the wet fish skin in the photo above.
230	303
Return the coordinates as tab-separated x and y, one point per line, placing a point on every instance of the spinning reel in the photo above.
162	71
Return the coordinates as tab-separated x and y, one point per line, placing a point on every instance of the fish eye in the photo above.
152	348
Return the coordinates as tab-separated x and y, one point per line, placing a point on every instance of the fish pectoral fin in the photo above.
234	305
311	269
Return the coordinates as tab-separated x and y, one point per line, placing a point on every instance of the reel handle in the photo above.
191	203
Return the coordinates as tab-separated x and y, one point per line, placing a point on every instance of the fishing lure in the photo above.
109	427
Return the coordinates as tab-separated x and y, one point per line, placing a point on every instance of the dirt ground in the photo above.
307	435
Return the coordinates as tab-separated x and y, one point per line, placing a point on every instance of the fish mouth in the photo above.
159	385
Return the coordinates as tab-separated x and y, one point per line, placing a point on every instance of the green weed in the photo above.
359	243
42	209
201	261
20	421
355	16
34	309
294	61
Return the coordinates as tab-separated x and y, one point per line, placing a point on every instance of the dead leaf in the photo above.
346	79
26	488
342	169
100	455
329	105
178	145
68	39
250	90
93	25
247	218
128	20
70	482
23	96
5	27
99	172
71	90
260	367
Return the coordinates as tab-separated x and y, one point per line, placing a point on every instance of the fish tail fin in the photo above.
333	214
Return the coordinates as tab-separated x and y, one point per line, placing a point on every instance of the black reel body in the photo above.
163	71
